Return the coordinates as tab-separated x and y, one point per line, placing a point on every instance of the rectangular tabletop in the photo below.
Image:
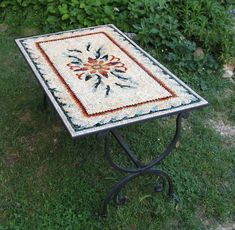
97	78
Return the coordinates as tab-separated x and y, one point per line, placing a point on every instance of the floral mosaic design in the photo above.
97	79
101	66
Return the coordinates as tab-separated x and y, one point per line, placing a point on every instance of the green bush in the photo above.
170	30
208	23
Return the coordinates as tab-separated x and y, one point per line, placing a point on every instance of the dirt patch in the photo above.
201	214
57	129
212	224
226	227
25	118
41	171
11	159
229	71
30	31
3	27
228	93
29	142
224	128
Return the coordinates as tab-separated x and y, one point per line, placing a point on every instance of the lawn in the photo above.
47	181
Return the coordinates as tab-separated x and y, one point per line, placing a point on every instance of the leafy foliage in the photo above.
170	30
207	23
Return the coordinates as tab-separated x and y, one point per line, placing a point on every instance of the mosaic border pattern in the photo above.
82	107
77	130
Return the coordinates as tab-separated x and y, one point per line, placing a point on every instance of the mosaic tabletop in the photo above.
97	78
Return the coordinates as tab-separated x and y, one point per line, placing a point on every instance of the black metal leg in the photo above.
120	185
139	169
130	154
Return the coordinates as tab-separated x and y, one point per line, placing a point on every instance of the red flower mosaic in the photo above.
99	66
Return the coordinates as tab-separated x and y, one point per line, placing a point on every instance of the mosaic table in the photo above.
98	79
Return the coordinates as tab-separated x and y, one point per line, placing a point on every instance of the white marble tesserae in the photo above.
97	79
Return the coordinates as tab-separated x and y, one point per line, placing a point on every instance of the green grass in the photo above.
49	182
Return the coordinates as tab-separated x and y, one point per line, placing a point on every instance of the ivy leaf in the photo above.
63	9
51	9
82	5
108	10
96	2
52	19
74	2
65	17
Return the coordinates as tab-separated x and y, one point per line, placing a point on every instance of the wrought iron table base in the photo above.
139	169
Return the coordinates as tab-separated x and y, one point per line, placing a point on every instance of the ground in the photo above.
49	181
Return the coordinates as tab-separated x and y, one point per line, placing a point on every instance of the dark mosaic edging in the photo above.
80	128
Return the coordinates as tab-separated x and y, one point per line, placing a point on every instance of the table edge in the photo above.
75	134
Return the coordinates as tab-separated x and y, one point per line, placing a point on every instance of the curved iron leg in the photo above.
121	184
139	169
